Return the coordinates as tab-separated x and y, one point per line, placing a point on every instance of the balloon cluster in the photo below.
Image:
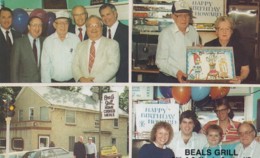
182	94
21	18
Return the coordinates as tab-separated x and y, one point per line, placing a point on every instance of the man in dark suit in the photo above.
79	149
7	36
119	32
26	54
80	16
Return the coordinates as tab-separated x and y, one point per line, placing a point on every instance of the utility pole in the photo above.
100	116
8	120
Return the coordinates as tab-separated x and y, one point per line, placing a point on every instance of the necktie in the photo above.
35	51
109	33
8	40
80	34
91	56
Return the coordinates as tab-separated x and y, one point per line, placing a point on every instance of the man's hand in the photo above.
86	80
181	76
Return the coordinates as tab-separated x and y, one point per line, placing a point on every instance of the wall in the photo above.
33	4
255	99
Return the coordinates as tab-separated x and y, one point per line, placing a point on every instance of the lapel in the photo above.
28	47
117	33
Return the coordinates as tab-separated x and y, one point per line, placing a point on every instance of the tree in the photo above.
7	92
124	100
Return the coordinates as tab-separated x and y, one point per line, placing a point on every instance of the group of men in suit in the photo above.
35	59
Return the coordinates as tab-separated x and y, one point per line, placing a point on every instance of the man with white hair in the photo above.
79	148
248	147
172	43
58	52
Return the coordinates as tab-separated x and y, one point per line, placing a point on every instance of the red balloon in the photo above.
41	14
218	92
181	94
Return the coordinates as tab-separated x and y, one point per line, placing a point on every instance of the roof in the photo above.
67	99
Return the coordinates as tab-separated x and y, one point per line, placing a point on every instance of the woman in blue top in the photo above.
161	135
215	149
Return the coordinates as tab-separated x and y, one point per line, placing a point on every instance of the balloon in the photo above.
166	92
51	18
41	14
181	94
20	20
199	93
203	103
218	92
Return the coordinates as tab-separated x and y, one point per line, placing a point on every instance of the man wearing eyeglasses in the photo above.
225	115
172	43
80	15
26	54
248	147
97	59
58	52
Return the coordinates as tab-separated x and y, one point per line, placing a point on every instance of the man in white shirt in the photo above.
58	52
248	147
91	149
172	43
186	143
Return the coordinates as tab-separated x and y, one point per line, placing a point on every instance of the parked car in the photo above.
12	154
54	152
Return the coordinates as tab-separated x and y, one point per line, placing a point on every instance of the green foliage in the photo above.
7	92
124	100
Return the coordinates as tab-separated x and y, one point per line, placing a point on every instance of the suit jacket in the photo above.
5	56
121	36
106	63
23	65
72	30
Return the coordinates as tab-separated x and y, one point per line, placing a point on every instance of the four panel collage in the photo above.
129	79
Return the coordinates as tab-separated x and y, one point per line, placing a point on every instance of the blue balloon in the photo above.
20	20
199	93
166	92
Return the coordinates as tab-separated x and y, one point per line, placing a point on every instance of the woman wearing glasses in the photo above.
224	30
225	115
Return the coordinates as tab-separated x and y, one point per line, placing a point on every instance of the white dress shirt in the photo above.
252	151
113	30
37	46
57	56
10	34
197	142
91	148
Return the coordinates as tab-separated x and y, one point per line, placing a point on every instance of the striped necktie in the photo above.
91	56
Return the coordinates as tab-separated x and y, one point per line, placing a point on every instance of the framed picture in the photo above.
210	64
94	2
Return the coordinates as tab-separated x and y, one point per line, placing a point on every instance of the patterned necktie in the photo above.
35	51
91	56
109	33
80	34
8	40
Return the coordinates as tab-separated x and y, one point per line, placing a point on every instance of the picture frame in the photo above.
210	64
95	2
